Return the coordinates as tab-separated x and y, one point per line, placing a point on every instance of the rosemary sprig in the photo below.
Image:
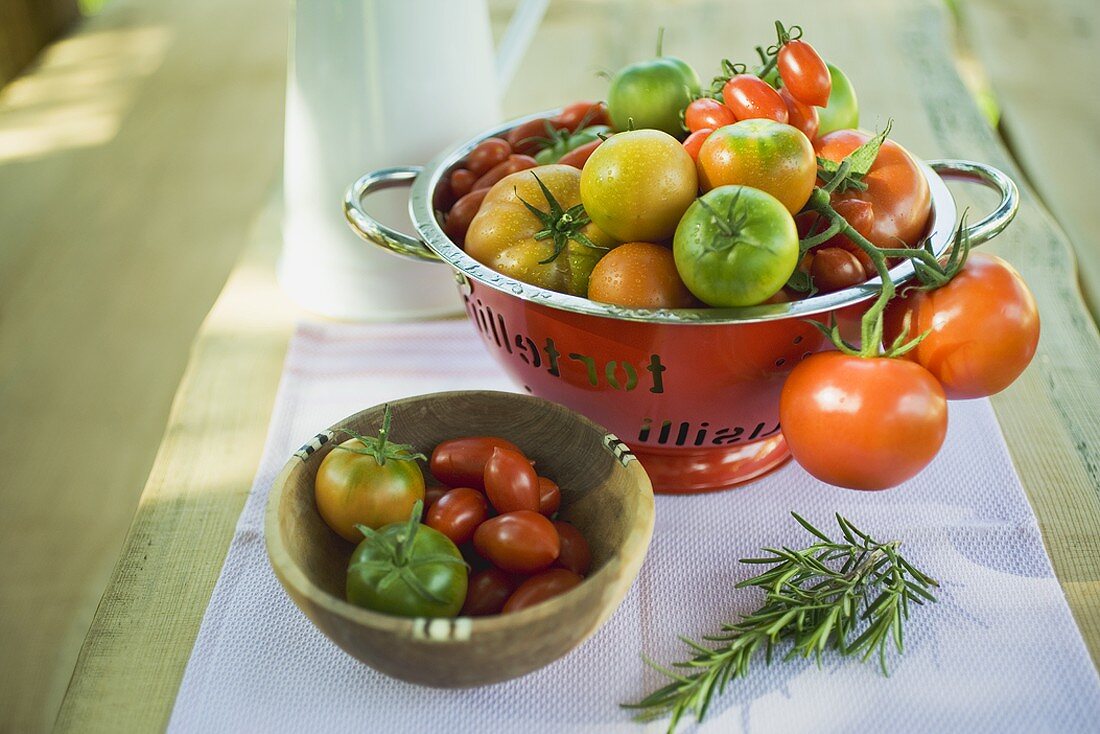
816	599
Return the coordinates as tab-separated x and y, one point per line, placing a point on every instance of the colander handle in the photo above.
993	224
370	228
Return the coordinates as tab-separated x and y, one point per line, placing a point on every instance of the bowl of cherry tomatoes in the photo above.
460	539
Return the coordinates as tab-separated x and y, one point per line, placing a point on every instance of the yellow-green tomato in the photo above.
638	184
736	246
653	94
842	111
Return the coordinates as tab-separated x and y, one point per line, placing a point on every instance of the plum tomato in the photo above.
652	95
862	423
511	482
639	275
695	141
487	593
751	98
982	327
487	155
407	569
519	542
460	462
637	185
538	589
582	114
736	246
799	115
566	142
549	496
763	154
896	188
458	513
707	112
574	554
580	155
432	493
842	111
834	269
804	73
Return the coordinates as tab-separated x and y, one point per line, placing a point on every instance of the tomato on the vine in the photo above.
804	73
694	142
800	115
749	98
707	112
862	422
639	275
982	327
834	268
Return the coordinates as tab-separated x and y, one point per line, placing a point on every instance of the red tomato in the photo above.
487	155
520	542
749	97
549	496
639	275
487	592
800	115
458	513
579	156
833	269
538	589
857	213
511	482
462	182
983	327
460	462
432	493
862	423
574	554
896	189
706	113
695	141
804	72
582	114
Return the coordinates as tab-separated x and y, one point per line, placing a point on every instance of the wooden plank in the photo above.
134	655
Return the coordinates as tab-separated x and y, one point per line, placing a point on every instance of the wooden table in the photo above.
899	57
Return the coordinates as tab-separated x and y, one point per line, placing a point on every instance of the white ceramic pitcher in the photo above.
371	84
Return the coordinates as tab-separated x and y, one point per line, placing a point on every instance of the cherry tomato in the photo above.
862	423
460	462
983	327
462	182
582	114
707	113
639	275
763	154
834	268
458	513
896	189
538	589
457	222
487	592
695	141
432	493
520	542
532	136
511	482
549	496
574	554
512	164
487	154
749	98
800	115
804	73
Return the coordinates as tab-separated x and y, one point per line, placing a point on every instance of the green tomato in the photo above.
653	95
569	141
842	112
637	185
408	570
735	246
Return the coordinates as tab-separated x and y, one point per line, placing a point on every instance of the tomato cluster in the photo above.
490	542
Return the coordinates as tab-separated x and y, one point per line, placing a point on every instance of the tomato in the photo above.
488	591
896	189
367	481
637	185
502	235
462	182
842	111
538	589
568	142
652	95
736	246
512	164
804	73
834	268
763	154
695	141
488	154
533	135
751	98
432	493
574	554
409	570
580	155
457	221
520	542
639	275
549	496
511	482
857	213
862	423
458	513
983	327
580	114
707	113
460	462
800	115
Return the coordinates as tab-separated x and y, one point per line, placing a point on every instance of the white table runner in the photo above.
999	653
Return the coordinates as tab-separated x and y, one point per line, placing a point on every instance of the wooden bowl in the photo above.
605	493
